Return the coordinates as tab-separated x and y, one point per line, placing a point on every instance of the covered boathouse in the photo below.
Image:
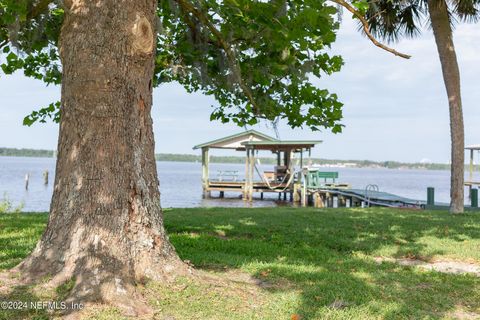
281	179
471	181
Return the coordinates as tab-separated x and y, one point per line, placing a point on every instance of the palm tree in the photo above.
393	19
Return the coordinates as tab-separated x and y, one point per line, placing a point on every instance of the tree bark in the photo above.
442	31
105	228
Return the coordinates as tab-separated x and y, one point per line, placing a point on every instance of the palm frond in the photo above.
467	10
392	20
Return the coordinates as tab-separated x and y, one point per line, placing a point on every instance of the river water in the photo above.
180	183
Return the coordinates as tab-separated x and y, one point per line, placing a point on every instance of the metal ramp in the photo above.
374	197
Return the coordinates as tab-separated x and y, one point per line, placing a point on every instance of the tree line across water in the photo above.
13	152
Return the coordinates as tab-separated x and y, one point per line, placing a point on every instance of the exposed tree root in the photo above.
129	298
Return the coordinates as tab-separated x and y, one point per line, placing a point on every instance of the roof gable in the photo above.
236	141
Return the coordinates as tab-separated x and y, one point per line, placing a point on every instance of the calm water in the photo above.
180	183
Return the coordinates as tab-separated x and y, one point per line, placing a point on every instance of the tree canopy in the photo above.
257	58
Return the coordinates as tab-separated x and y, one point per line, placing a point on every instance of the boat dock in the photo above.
289	177
293	176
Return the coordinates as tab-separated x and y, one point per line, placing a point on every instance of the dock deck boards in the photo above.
375	197
238	185
383	196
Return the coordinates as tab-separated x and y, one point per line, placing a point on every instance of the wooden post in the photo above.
205	173
45	177
247	170
27	178
471	165
252	166
318	200
297	189
315	199
470	175
321	201
291	174
342	202
327	200
303	198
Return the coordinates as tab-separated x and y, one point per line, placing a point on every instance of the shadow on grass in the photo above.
327	256
19	306
320	261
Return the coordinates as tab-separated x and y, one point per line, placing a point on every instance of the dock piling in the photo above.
45	177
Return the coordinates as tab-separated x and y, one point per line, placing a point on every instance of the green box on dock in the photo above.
430	196
474	198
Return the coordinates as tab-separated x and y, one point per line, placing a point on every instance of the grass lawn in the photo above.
292	263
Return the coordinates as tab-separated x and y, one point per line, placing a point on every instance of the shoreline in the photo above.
317	162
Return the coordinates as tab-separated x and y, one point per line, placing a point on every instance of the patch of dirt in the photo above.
244	279
8	280
461	314
339	304
453	267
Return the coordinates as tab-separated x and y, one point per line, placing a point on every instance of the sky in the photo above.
394	109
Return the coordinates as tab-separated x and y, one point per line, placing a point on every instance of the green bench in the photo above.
315	177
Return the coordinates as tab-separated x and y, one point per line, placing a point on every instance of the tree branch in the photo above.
366	29
188	7
39	8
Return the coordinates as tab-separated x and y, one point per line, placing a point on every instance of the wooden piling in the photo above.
342	201
315	199
303	196
45	177
318	201
328	198
27	179
252	168
205	173
296	193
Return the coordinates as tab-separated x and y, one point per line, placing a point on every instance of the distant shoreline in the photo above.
328	163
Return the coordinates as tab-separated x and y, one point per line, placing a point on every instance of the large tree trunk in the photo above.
451	75
105	227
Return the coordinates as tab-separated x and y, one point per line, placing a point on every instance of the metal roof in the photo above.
473	147
237	136
283	143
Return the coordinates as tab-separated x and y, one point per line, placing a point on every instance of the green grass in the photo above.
305	260
18	235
